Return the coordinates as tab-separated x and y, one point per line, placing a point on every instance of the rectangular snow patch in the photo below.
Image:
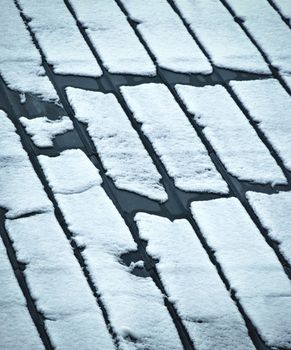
121	151
226	127
134	305
274	212
166	36
193	284
224	40
59	38
269	105
20	62
21	191
173	138
112	37
250	265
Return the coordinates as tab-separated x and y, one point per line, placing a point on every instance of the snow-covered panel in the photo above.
274	212
17	330
21	191
250	265
20	62
73	161
112	37
43	130
59	38
173	138
72	317
269	105
134	305
267	29
193	284
166	36
118	144
231	135
284	6
221	36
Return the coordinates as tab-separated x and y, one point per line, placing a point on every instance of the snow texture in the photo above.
284	7
20	62
112	37
43	130
59	37
250	265
118	145
173	138
232	137
167	38
216	30
193	285
274	212
18	178
101	232
287	79
271	114
268	30
56	282
17	330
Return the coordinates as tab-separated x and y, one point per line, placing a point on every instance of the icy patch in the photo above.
173	138
221	36
43	130
56	282
287	79
274	213
269	105
166	36
193	284
134	305
16	326
118	145
20	62
268	30
112	37
250	265
21	191
228	130
58	36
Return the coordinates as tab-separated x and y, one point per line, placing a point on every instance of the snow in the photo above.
284	7
118	145
64	182
43	130
216	30
20	62
167	38
271	114
16	327
193	285
59	37
268	30
18	178
72	318
112	37
173	138
250	265
101	232
274	211
232	137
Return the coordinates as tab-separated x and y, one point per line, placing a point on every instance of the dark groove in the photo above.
276	8
36	316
